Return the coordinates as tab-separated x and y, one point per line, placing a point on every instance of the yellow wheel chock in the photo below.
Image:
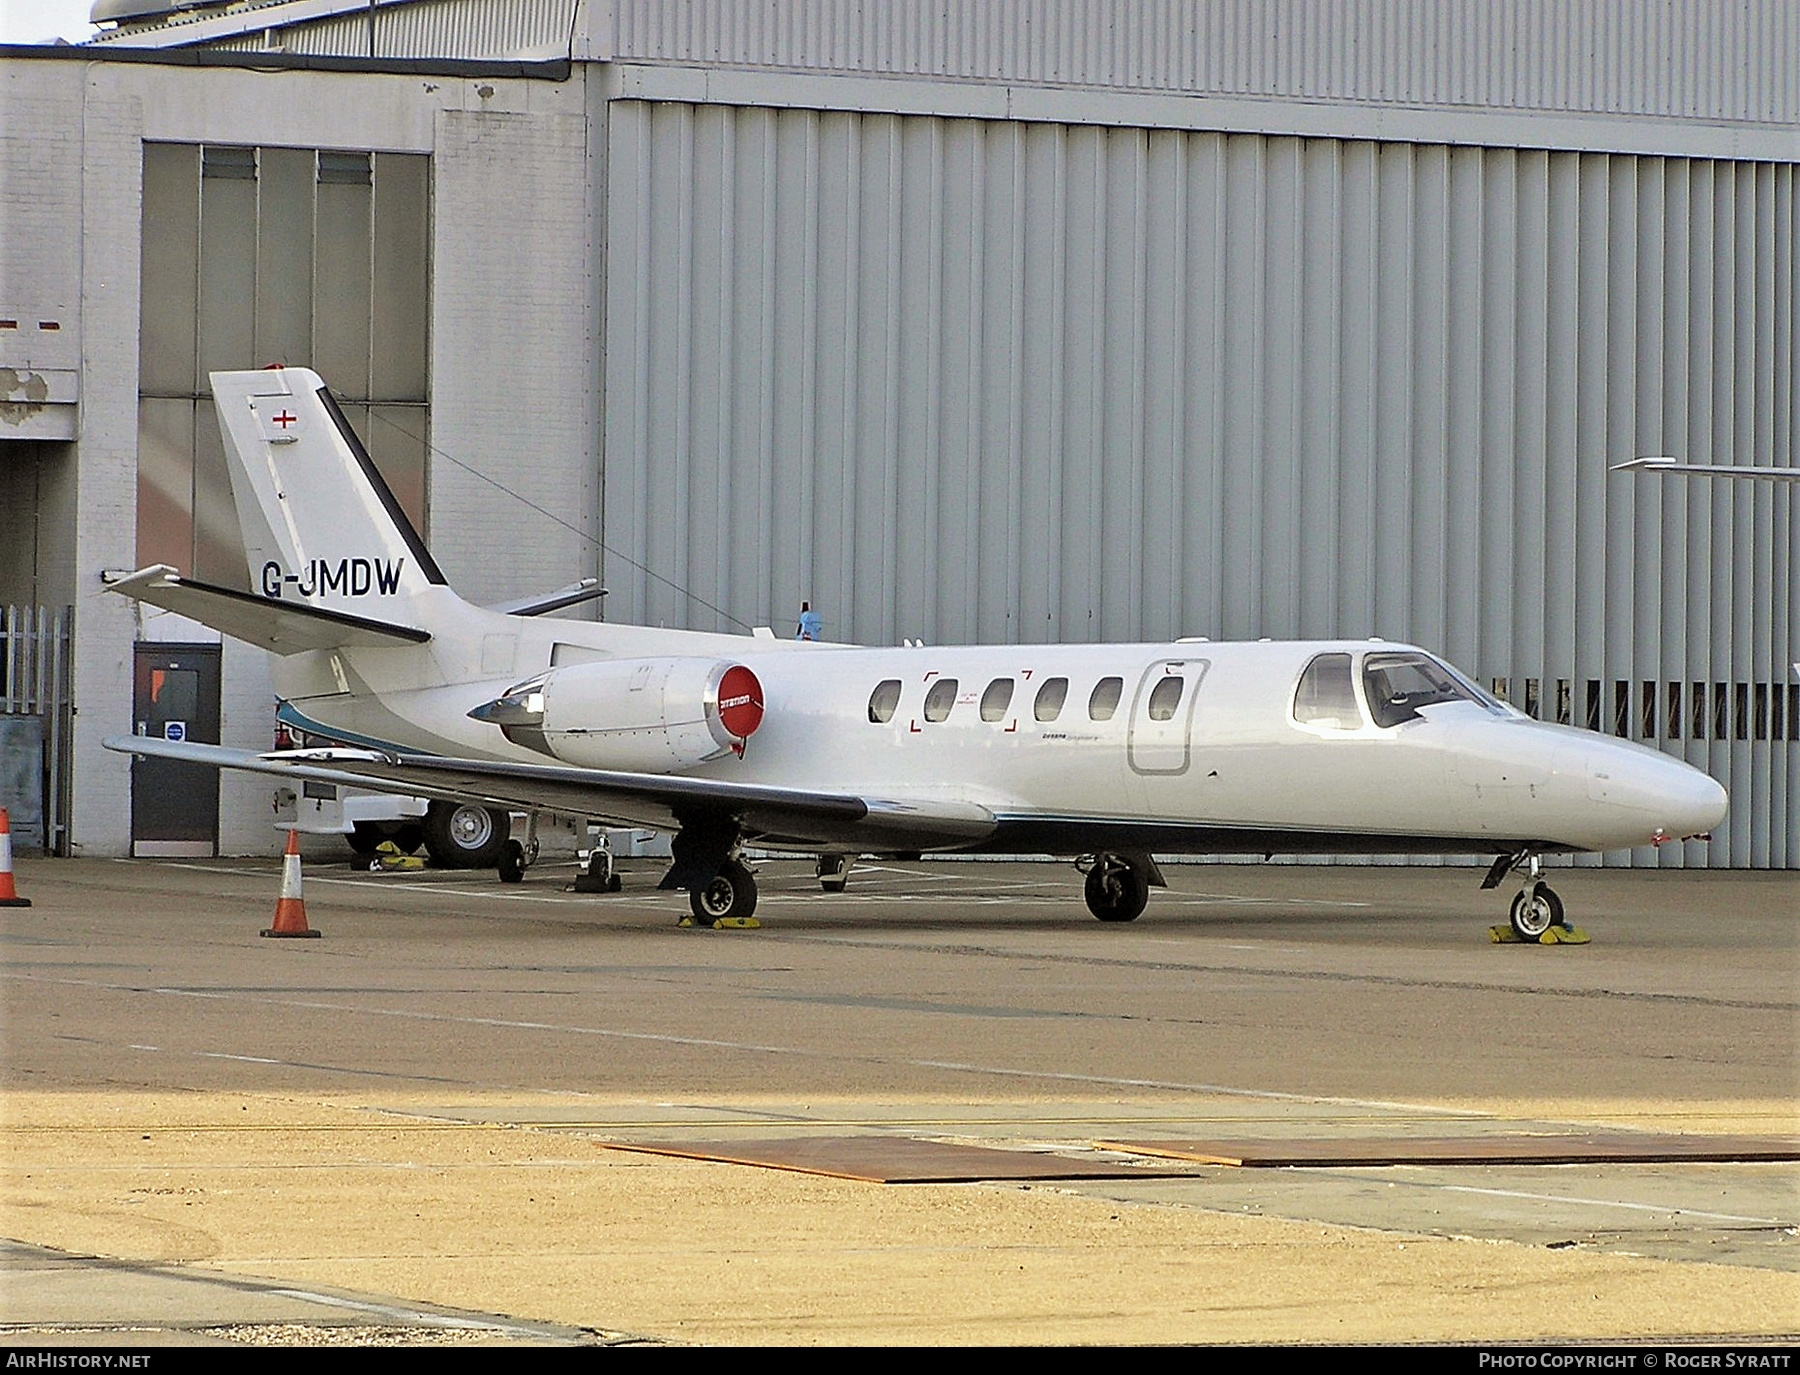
390	858
1555	935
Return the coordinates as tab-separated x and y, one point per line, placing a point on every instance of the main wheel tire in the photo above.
464	835
730	894
1535	911
1116	891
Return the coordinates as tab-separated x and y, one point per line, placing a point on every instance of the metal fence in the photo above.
35	705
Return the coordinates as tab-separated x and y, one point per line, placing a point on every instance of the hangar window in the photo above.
344	169
1104	700
1164	698
1326	697
333	247
940	699
228	164
883	700
996	699
1050	699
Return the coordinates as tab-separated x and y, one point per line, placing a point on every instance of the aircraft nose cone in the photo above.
1702	804
1673	798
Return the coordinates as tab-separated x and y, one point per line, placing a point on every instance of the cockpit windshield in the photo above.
1399	684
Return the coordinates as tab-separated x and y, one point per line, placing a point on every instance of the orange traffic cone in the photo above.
9	896
290	909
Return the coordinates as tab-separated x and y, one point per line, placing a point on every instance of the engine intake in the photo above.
641	715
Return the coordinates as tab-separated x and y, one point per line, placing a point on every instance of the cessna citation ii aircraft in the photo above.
1111	753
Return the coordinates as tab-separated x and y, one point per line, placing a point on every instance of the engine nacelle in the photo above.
638	715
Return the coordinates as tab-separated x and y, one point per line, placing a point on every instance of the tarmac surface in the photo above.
406	1130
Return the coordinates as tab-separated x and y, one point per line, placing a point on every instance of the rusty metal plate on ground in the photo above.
897	1159
1513	1149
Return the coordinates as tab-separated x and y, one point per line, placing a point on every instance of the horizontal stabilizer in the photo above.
280	627
779	817
587	590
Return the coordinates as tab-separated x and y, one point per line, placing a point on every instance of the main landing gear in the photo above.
730	895
1537	910
709	863
1118	886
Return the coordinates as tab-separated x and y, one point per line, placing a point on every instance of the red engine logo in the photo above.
740	702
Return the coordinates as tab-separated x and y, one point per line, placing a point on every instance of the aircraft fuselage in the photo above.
1072	748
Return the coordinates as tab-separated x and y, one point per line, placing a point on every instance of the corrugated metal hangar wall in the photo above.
969	379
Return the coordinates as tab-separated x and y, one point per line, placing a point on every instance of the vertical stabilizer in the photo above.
321	527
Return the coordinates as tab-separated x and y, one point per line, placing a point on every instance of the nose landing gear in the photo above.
1537	916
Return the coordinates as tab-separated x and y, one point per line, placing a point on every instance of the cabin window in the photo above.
1326	696
1164	698
940	699
883	700
1104	700
1050	699
996	699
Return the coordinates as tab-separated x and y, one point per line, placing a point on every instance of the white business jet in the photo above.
1109	753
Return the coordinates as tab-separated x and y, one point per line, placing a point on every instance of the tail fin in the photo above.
320	526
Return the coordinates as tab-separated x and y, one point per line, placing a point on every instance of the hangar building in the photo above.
962	319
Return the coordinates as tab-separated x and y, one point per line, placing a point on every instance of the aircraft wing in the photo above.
281	627
777	817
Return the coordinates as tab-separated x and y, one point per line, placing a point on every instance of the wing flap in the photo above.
779	817
280	627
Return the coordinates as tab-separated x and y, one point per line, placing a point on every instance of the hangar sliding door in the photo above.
998	380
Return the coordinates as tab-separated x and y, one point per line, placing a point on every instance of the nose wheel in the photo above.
1535	910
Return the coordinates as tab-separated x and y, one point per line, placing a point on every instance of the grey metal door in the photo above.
175	806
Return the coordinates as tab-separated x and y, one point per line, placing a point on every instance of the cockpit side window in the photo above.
1399	685
1326	696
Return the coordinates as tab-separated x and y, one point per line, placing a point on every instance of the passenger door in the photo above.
1162	714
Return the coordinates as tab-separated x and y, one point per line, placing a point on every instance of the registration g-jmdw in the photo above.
351	577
